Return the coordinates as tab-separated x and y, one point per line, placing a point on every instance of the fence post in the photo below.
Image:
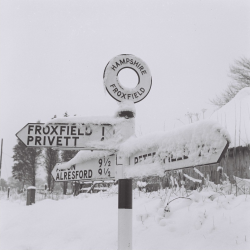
31	193
45	189
8	193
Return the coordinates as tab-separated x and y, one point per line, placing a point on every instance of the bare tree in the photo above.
51	157
240	73
26	161
67	155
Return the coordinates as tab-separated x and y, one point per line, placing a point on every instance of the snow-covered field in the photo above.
204	220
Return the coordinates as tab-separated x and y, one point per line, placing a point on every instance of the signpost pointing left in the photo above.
64	136
95	169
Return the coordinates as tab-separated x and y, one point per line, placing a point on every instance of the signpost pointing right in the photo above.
172	163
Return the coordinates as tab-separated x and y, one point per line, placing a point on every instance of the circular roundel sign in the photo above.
116	89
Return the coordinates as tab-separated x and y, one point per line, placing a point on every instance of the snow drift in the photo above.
91	222
235	117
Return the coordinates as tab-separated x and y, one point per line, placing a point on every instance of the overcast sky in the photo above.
53	54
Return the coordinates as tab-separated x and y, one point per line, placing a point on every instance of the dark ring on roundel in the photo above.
105	70
134	71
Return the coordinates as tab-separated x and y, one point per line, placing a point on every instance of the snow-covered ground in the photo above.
204	220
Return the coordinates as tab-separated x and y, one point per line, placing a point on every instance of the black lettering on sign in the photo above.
73	132
122	61
44	140
75	138
73	175
123	95
115	90
119	93
135	160
102	134
44	130
62	129
54	130
30	128
79	132
85	174
142	90
38	140
51	141
105	172
65	176
113	67
112	85
38	129
67	130
100	162
90	173
117	64
29	139
136	63
88	130
135	94
144	72
69	177
77	172
59	141
143	157
67	139
81	174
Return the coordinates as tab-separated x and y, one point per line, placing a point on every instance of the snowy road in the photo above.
90	222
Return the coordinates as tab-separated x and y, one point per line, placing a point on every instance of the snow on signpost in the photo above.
77	132
192	145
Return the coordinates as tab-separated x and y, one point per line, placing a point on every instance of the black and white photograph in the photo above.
124	124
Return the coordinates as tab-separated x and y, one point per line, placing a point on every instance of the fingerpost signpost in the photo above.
92	170
63	136
96	136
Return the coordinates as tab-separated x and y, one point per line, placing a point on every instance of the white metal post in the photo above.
125	214
125	191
